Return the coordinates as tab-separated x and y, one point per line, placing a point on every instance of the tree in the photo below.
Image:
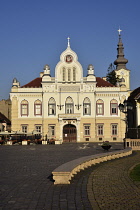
111	75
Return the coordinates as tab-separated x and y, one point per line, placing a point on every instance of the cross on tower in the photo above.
119	31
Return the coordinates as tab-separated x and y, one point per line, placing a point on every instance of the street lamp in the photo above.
124	109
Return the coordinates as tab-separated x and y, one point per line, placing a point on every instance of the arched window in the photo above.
63	74
86	107
51	107
113	107
38	107
69	75
74	74
100	107
24	108
69	107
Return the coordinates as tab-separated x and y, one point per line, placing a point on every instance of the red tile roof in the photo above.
34	83
102	83
37	83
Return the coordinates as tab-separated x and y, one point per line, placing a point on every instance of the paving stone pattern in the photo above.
26	182
110	187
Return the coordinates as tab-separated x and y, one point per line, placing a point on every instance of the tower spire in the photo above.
68	41
120	62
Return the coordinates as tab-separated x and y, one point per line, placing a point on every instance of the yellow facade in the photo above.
70	107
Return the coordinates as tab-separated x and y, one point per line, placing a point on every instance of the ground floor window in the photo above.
114	129
100	129
38	128
51	130
24	128
86	130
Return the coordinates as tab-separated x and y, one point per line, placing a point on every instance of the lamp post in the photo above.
124	109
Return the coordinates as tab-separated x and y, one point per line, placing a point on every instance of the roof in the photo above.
3	118
36	83
102	83
135	94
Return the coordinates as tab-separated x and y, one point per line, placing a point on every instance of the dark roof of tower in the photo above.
3	118
120	62
36	83
135	94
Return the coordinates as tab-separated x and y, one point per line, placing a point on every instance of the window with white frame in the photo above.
24	108
114	129
51	107
38	128
51	130
100	130
24	128
86	107
87	130
69	107
100	107
38	107
113	107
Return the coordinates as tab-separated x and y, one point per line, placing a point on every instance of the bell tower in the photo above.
121	70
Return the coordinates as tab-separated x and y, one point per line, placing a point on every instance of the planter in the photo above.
44	142
58	142
24	142
106	147
9	142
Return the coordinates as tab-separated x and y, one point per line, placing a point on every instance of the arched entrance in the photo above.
69	133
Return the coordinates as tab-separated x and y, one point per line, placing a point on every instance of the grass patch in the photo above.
135	173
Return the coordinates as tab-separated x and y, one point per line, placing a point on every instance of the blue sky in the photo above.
34	33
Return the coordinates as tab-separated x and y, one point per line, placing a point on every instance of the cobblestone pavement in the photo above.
26	182
110	187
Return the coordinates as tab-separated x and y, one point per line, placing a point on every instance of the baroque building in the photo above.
70	107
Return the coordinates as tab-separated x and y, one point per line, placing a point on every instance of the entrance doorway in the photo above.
69	133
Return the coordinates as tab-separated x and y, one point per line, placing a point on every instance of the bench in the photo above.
64	173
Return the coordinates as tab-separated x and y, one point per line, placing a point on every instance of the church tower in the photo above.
121	70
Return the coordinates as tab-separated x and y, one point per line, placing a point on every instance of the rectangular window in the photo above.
69	108
100	129
114	129
114	109
87	130
100	109
51	109
38	128
38	109
51	130
24	128
86	109
24	109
